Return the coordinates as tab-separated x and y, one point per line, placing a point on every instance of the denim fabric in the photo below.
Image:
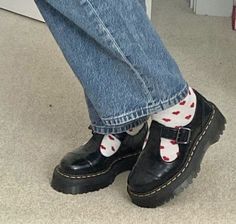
117	55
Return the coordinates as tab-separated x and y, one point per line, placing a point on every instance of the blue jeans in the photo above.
124	68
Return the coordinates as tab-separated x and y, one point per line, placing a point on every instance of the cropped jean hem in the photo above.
132	119
119	128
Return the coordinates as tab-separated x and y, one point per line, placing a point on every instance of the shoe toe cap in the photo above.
75	164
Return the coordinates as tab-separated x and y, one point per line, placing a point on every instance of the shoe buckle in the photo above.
183	131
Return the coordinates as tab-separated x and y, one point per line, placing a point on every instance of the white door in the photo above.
28	7
212	7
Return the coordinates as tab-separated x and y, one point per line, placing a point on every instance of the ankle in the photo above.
180	114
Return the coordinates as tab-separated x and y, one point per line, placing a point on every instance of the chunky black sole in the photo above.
162	194
71	184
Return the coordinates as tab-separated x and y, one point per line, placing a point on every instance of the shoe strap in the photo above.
181	135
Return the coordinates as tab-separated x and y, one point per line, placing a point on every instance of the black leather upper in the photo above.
87	158
151	171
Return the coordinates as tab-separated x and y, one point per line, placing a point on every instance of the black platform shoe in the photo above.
152	181
86	169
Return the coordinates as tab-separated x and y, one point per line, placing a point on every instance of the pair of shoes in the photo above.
152	181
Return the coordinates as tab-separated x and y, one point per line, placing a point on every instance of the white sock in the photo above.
175	117
110	143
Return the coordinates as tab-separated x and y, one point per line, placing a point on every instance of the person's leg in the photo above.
143	4
128	74
88	61
93	115
116	53
95	164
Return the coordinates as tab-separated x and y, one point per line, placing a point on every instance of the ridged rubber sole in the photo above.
162	194
71	184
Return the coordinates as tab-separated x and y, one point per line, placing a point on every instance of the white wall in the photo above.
28	7
24	7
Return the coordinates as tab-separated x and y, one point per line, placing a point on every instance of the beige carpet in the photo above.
43	115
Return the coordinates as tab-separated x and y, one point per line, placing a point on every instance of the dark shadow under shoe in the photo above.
152	181
85	169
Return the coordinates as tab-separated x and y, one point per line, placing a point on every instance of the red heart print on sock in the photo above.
182	102
162	147
165	158
178	127
110	137
192	105
113	149
102	147
173	142
188	117
166	119
176	112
